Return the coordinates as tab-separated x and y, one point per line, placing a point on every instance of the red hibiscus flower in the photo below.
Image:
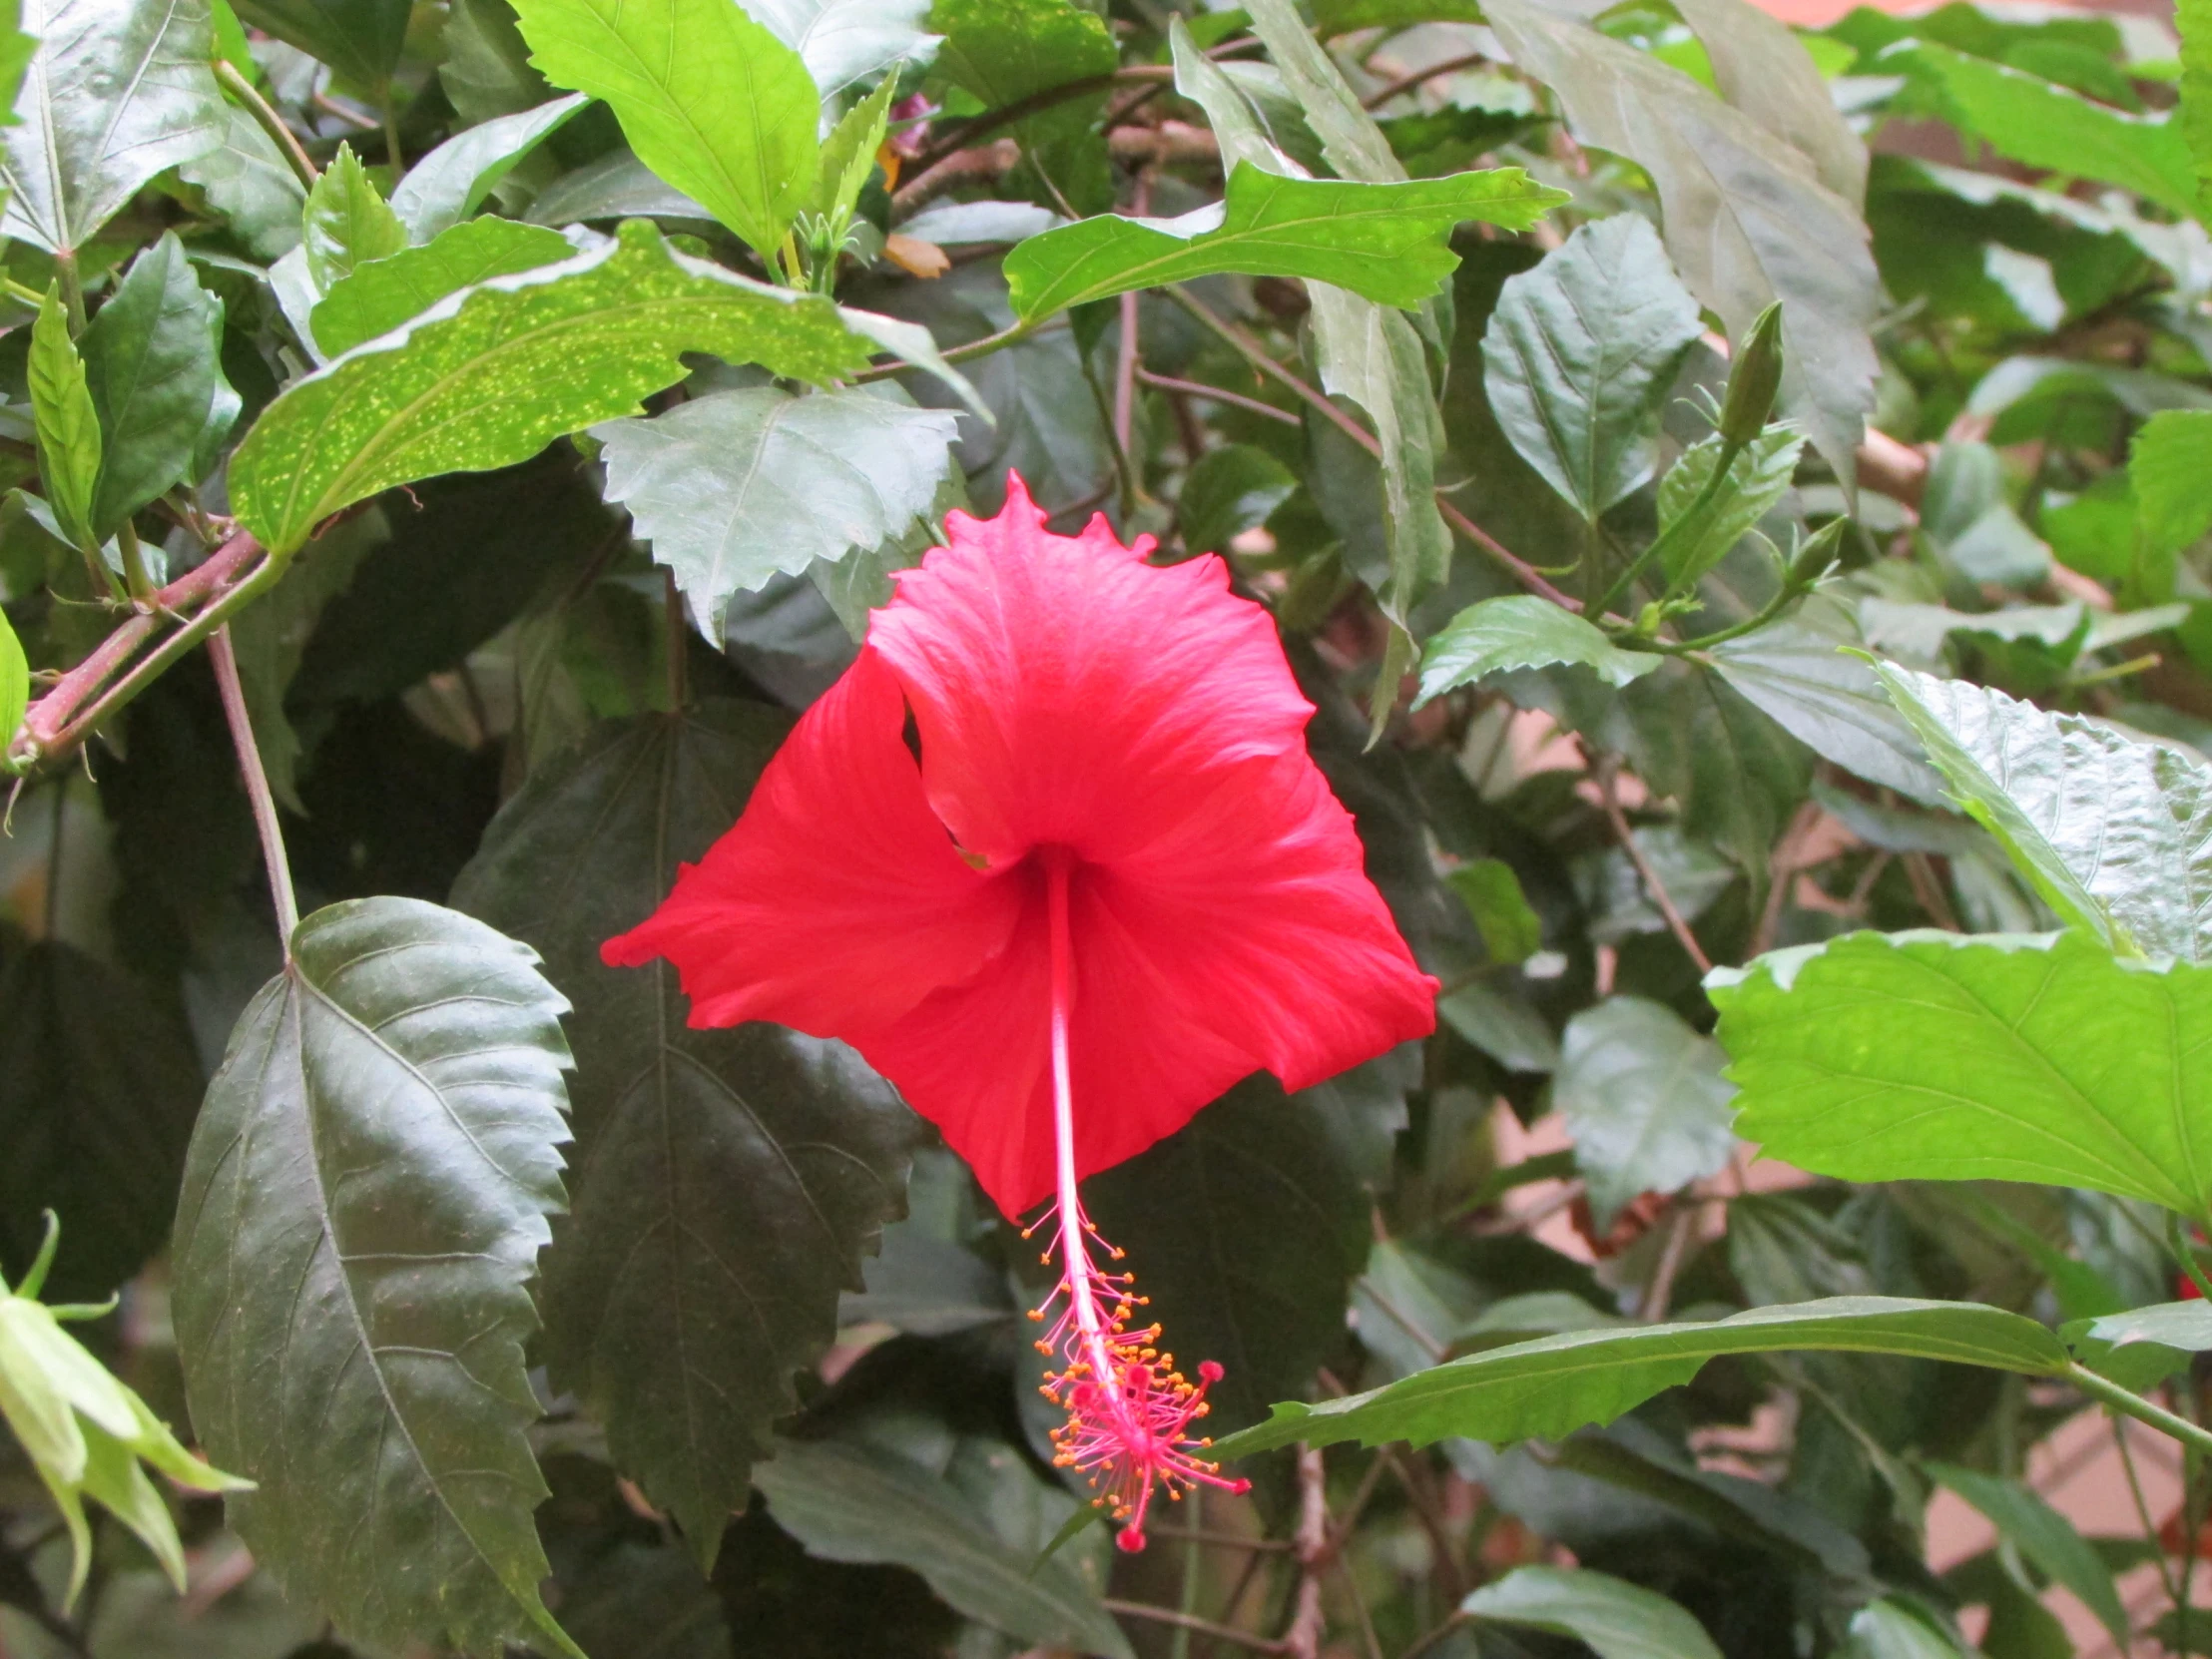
1099	883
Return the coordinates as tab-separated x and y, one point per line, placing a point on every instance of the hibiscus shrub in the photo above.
868	828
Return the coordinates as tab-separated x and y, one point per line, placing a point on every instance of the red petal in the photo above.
839	902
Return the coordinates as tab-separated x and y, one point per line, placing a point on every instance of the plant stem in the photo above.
255	778
139	584
2177	1236
393	154
73	288
955	354
1642	562
1406	83
677	635
1435	1636
1190	1621
264	114
2135	1406
1214	395
1606	770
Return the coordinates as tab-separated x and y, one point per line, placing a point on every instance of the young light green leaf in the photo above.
2114	833
709	98
1643	1097
378	297
2044	1536
347	222
849	155
1578	354
114	95
448	185
68	424
1939	1057
360	39
1511	931
489	375
1555	1385
1746	220
2170	466
1758	479
154	366
1522	631
2194	18
369	1185
736	486
1384	241
654	1259
1613	1618
15	681
1350	137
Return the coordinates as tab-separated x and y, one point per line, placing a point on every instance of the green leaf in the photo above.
15	681
852	1501
446	186
1939	1058
1384	241
1643	1097
486	73
114	95
736	486
360	39
1757	480
2193	19
366	1194
1580	350
640	1599
1892	1629
2031	120
347	222
727	1182
380	296
1555	1385
68	424
1245	1229
2044	1536
153	368
1764	69
2115	834
1005	51
1612	1617
489	375
2142	1347
709	98
2170	467
1745	219
1511	931
251	184
1522	631
843	40
1231	489
849	155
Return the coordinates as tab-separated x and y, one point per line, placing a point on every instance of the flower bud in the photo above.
1754	379
1818	553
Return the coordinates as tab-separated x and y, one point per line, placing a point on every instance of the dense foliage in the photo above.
1737	498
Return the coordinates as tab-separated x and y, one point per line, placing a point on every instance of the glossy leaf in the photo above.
446	186
487	73
2114	833
616	185
737	486
360	39
1579	352
1746	220
844	41
1384	241
366	1194
1939	1057
490	374
67	423
378	297
727	1182
154	368
1643	1097
1495	635
1758	479
348	223
1557	1384
116	94
2170	467
248	182
2044	1536
1612	1617
709	98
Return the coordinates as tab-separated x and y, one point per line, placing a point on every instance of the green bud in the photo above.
1818	553
1754	379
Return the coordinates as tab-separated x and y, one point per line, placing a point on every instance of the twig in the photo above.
1303	1639
255	778
2142	1507
1191	1621
1406	83
1199	389
1930	893
1520	569
1660	1292
1606	770
2135	1406
1435	1636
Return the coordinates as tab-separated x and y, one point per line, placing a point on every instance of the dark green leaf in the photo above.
641	1601
736	486
365	1197
360	39
1744	222
709	98
446	186
1521	631
251	184
1643	1097
1933	1057
1230	490
1612	1617
2044	1536
493	373
1580	350
152	361
2170	466
347	222
727	1182
2115	834
1557	1384
1764	69
67	422
486	73
116	94
377	298
616	185
1246	1230
1511	931
1384	241
852	1501
1005	51
2142	1347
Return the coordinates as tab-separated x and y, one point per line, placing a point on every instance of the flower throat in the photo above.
1129	1410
